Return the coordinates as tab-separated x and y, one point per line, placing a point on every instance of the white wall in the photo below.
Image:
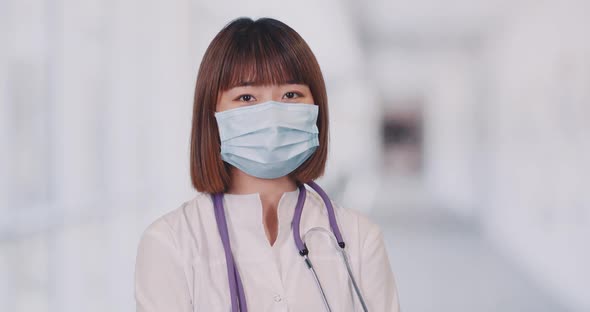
452	132
538	122
96	99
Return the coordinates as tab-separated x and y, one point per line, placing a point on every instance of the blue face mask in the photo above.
268	140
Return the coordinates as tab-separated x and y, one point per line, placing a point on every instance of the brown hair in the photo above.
264	52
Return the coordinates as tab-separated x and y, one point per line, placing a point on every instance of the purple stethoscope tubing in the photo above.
238	298
236	288
299	210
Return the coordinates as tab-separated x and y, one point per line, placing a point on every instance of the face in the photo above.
254	94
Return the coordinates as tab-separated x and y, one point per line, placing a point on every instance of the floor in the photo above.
443	263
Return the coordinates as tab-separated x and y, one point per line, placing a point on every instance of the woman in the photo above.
255	237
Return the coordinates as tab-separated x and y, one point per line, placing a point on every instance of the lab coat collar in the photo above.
244	212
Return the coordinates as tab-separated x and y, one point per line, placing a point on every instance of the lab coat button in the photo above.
278	298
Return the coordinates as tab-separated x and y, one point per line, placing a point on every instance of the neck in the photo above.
242	183
270	191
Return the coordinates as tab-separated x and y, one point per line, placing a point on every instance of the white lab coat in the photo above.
180	264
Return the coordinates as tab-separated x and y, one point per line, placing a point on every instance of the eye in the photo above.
292	95
245	98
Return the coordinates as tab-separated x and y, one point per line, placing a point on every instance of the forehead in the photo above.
264	60
270	72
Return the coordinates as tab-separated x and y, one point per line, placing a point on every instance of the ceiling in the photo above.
431	20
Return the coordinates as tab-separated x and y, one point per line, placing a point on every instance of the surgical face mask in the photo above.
268	140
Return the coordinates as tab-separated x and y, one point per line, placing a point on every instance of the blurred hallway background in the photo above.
462	127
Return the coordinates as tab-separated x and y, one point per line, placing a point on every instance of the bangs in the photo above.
258	56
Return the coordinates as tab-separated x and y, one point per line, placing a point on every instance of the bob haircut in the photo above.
262	52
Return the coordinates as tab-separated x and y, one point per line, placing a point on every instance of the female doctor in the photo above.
260	235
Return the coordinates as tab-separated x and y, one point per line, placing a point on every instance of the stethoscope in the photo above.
236	289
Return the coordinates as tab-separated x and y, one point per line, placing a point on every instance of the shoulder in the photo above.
367	229
169	221
357	227
177	227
